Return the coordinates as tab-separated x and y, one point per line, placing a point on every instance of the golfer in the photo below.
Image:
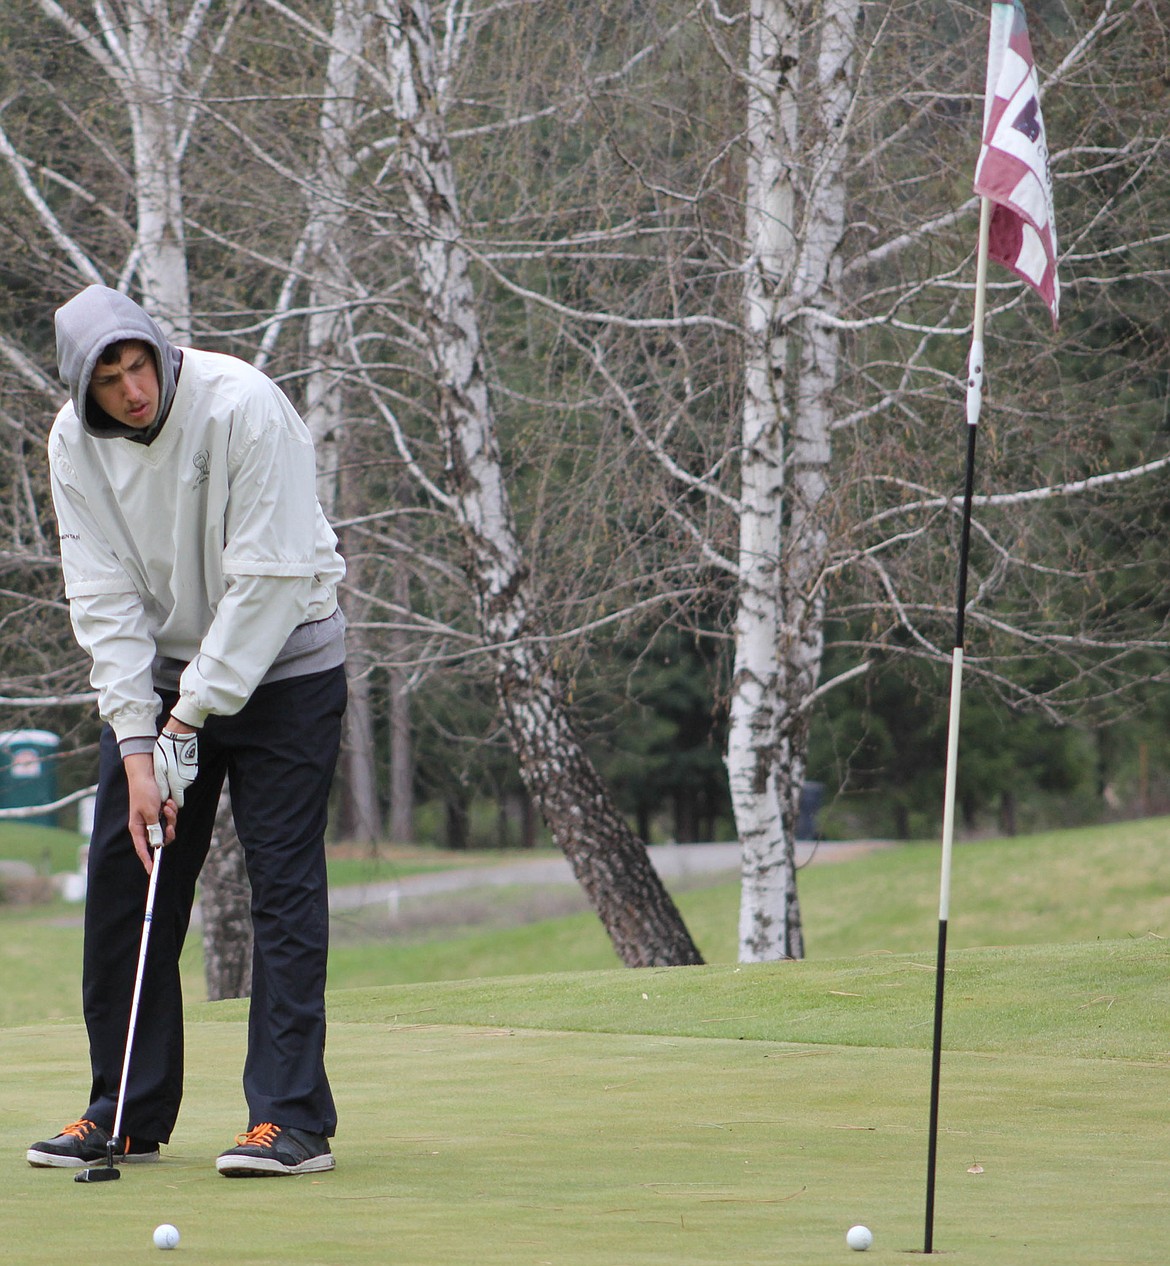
202	581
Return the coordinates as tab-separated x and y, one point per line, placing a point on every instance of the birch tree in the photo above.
805	105
609	861
797	155
438	328
148	57
331	287
657	315
862	122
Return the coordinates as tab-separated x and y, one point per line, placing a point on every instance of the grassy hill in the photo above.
1069	887
1062	887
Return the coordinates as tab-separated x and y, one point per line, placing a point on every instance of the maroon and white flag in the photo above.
1013	162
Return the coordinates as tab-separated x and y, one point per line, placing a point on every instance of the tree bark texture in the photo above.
225	898
769	922
610	863
327	331
796	168
152	85
361	815
401	740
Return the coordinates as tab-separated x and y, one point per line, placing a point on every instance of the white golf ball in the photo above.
166	1236
859	1237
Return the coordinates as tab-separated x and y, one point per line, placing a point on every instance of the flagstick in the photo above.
974	400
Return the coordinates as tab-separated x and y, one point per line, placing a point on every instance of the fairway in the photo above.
477	1129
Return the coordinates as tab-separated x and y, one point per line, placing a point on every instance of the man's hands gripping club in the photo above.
157	782
152	819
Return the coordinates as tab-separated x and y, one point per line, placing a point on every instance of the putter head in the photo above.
97	1174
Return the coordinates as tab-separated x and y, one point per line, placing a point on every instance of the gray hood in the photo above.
88	324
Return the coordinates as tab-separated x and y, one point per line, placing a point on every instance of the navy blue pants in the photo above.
279	754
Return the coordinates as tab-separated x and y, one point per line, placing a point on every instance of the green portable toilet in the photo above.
28	772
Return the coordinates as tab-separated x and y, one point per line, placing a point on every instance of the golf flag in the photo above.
1016	228
1013	161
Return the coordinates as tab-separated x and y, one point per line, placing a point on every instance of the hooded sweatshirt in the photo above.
195	553
117	317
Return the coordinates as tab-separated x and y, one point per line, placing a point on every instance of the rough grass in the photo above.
46	848
1056	888
1060	888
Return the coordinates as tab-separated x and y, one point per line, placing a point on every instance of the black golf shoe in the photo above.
267	1151
84	1143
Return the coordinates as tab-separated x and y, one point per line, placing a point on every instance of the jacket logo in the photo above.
202	463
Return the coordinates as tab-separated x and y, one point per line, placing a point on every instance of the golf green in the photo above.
492	1143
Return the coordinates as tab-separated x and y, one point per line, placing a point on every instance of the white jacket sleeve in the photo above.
269	562
112	629
252	623
107	614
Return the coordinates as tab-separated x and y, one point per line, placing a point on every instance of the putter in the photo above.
108	1173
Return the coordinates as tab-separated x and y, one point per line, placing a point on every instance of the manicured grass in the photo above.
576	1118
1097	882
1108	1000
40	945
528	1109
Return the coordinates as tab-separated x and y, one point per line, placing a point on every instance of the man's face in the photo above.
128	390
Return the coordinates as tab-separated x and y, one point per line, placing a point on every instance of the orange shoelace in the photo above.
79	1129
258	1136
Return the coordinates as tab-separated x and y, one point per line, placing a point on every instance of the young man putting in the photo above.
202	582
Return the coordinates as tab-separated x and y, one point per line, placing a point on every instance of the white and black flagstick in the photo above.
974	403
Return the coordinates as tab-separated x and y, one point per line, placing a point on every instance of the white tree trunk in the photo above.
795	219
153	90
330	285
767	897
146	57
401	825
330	288
610	863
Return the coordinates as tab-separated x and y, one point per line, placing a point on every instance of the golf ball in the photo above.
166	1236
859	1237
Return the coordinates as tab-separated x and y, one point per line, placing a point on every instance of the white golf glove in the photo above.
176	764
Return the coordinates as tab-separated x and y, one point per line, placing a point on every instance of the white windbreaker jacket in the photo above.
206	545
